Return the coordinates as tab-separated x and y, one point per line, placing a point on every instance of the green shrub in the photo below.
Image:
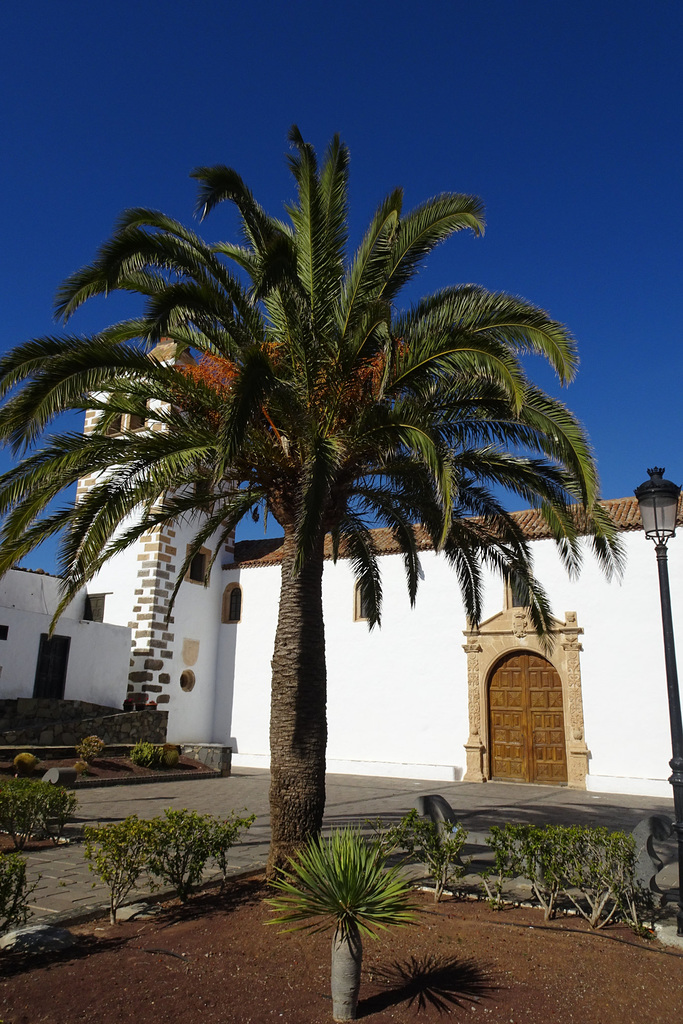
147	755
591	867
20	809
81	768
90	748
26	763
506	862
118	853
438	847
14	891
34	810
224	834
179	847
170	755
601	867
56	807
537	854
174	848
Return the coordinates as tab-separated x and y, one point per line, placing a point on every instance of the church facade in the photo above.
427	696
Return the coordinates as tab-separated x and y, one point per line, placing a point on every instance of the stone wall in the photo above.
20	711
213	755
64	723
151	623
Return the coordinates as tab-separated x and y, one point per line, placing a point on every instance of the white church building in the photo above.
423	697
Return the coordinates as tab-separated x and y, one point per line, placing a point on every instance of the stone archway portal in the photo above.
526	727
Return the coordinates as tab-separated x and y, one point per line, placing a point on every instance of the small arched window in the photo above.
360	605
232	603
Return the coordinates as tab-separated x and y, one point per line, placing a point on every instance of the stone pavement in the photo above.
67	890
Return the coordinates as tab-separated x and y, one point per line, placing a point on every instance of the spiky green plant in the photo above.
342	882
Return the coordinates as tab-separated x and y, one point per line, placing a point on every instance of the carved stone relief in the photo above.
505	633
474	746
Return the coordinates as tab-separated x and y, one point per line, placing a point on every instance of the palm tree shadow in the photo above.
442	982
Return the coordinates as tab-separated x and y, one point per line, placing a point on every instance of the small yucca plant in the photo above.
342	882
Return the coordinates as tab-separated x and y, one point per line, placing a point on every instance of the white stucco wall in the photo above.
36	592
397	705
196	621
252	644
97	667
224	694
397	697
118	579
396	701
194	625
622	664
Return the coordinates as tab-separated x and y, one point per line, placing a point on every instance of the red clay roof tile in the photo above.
624	513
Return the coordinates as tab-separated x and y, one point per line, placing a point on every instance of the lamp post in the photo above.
658	502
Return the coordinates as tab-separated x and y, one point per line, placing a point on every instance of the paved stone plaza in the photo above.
67	888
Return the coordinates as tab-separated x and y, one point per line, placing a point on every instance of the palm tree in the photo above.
312	397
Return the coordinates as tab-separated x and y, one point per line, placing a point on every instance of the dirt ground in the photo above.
214	960
119	769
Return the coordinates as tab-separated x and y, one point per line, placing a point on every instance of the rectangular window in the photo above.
361	608
4	630
198	567
94	607
114	426
136	422
519	593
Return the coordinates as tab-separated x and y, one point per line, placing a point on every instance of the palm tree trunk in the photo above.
347	957
298	709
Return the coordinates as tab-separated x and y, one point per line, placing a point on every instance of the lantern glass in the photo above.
658	503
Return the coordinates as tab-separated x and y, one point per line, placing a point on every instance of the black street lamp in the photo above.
658	502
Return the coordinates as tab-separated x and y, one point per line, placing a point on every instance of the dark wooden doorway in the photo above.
526	721
53	657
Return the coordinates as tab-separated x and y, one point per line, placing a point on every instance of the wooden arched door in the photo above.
526	721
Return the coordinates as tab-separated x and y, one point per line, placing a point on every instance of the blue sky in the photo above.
565	117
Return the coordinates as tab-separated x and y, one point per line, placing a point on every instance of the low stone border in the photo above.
213	755
138	780
63	752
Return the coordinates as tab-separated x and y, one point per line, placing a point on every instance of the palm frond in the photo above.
360	548
423	229
335	408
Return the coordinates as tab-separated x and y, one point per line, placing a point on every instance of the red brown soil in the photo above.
214	960
120	769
